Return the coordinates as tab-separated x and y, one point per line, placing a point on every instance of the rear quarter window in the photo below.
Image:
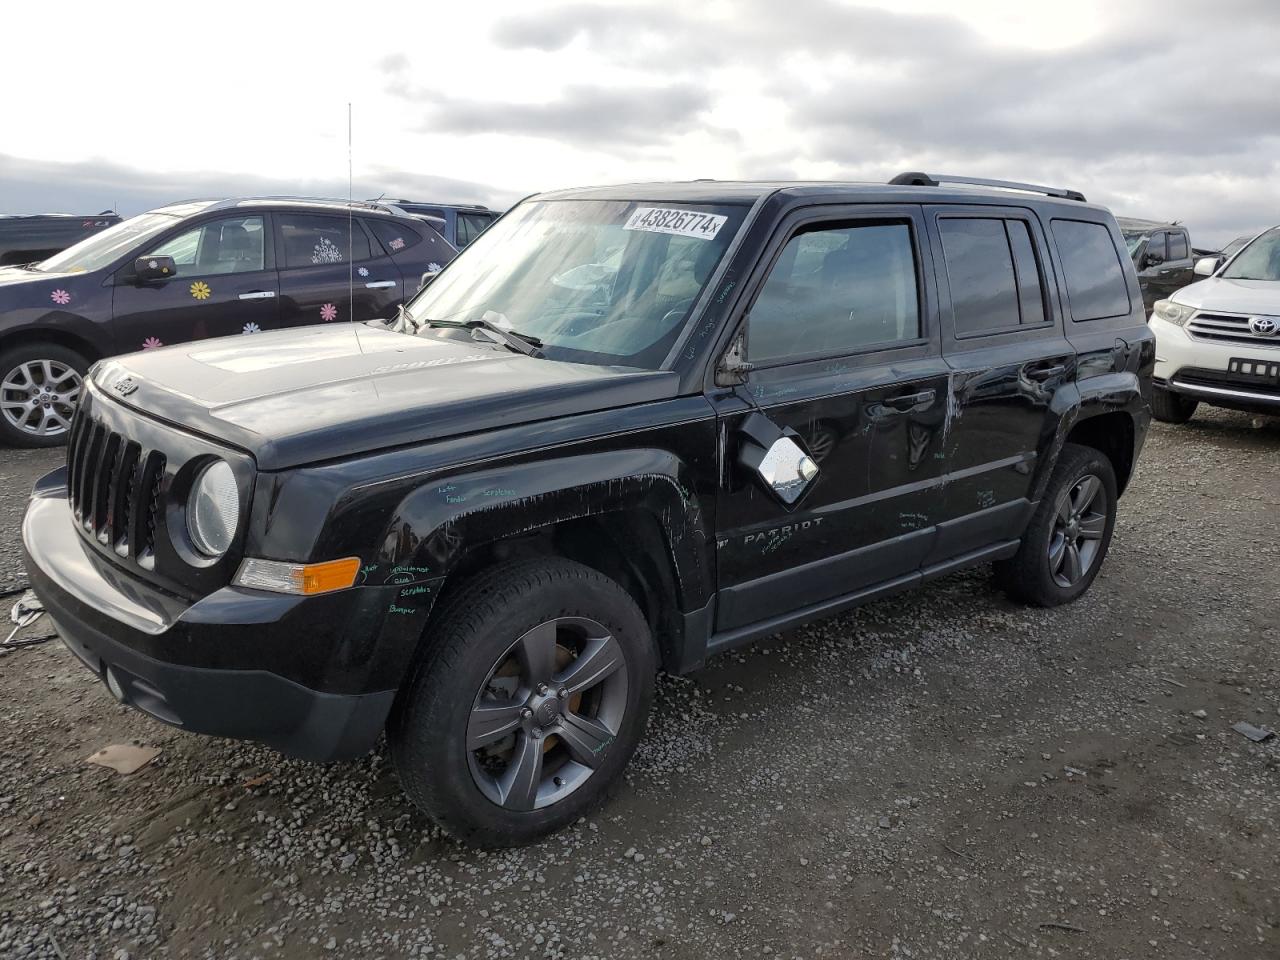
394	236
1096	285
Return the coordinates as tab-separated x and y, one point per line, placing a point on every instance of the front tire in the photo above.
1168	407
40	386
529	700
1069	533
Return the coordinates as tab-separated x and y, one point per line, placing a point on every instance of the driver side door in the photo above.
843	341
225	284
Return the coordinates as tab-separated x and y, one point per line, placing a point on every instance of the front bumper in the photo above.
314	677
1200	369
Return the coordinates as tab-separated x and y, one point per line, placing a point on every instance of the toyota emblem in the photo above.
1264	326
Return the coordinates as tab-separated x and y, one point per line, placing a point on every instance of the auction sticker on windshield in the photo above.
681	223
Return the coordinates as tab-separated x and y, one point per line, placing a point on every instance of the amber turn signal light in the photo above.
306	579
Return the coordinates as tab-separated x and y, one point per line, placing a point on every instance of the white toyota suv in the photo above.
1218	341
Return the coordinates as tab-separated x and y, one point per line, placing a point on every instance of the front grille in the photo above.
114	488
1227	328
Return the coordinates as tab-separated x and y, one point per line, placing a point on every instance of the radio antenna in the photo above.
351	295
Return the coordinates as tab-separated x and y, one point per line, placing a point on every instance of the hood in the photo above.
16	276
1232	296
298	396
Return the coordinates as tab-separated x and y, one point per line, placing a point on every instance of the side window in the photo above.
234	245
1156	247
837	289
992	273
1095	280
470	226
1178	246
310	241
394	236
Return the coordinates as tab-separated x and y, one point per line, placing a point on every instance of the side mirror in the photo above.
148	269
1205	266
1153	259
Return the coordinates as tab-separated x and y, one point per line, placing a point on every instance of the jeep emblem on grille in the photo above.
1263	326
125	386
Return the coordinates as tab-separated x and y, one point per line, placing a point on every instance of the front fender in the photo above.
434	524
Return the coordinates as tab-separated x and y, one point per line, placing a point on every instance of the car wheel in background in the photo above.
528	700
1168	407
39	388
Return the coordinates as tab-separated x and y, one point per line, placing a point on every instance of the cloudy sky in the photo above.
1158	108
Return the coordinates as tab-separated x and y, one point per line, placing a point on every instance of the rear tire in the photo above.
40	386
531	696
1069	533
1168	407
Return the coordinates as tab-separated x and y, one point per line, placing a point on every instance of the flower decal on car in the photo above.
60	297
151	343
433	268
328	312
200	290
251	328
363	271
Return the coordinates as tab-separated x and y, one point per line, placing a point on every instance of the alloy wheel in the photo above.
39	397
1078	527
546	715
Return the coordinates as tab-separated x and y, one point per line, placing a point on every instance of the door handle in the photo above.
378	284
911	401
1047	373
258	295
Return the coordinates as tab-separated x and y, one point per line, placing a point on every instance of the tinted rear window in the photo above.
394	236
993	275
1096	284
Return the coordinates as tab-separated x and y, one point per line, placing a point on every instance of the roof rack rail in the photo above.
926	180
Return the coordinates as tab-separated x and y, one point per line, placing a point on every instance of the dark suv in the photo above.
629	428
189	271
1162	255
460	223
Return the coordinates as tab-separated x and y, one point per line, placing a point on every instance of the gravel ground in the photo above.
944	774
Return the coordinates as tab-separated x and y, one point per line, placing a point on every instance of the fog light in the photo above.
113	684
279	576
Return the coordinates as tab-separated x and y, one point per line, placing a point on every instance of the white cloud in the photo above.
1159	109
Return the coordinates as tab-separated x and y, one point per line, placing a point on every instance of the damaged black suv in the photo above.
627	429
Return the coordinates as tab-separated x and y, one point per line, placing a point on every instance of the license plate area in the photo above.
1255	371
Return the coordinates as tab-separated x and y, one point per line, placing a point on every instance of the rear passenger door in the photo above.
1180	266
329	271
842	338
1003	341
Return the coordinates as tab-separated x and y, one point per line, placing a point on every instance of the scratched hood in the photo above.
316	393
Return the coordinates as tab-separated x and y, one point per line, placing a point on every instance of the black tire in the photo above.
1036	574
27	356
475	635
1168	407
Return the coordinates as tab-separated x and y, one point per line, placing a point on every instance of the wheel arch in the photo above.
633	515
1113	434
63	338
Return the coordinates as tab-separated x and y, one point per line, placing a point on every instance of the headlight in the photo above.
1172	312
213	509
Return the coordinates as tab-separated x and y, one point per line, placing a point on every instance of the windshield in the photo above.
101	249
595	281
1132	238
1260	260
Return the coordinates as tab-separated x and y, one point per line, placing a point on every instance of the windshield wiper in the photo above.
530	346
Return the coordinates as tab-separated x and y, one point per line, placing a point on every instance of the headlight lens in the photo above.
213	509
1172	312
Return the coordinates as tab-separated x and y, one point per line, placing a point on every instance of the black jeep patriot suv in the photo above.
628	428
